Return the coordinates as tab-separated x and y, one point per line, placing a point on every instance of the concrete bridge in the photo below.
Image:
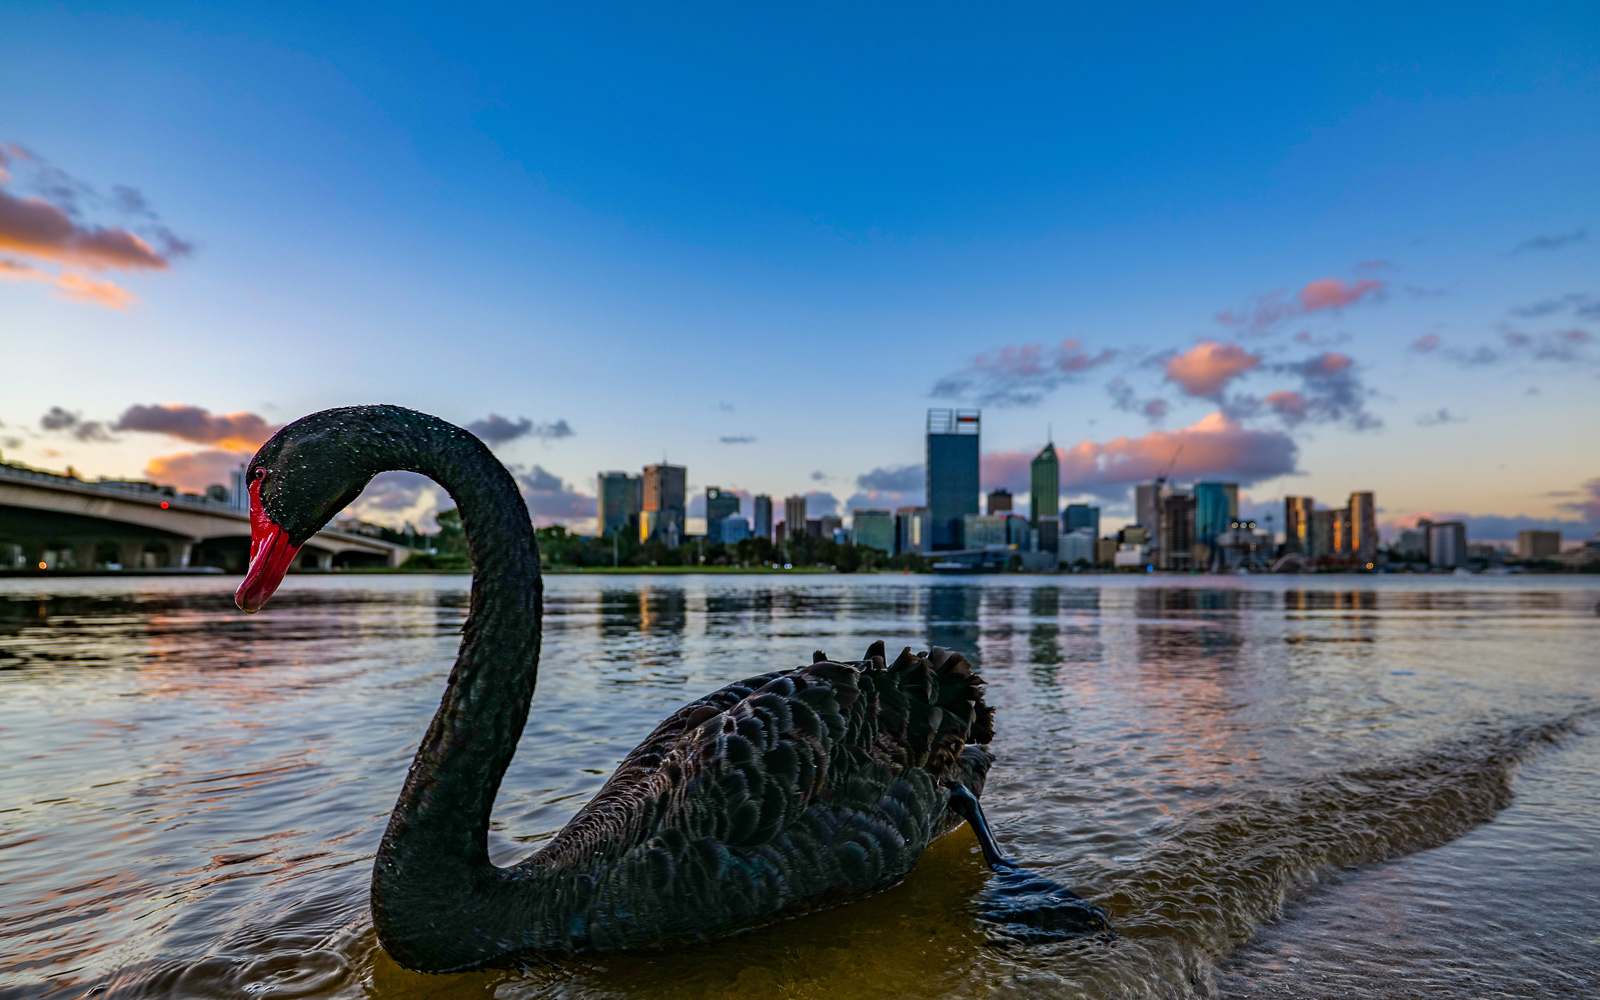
60	522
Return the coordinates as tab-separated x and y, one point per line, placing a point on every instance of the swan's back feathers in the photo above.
782	792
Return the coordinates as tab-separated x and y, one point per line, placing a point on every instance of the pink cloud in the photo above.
1426	342
1332	293
1213	446
1020	375
1316	296
193	471
74	287
1205	369
242	431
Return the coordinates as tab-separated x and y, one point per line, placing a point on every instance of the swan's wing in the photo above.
747	762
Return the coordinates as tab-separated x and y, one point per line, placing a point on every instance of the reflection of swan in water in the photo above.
791	791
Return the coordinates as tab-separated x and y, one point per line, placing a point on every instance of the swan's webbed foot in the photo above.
1023	906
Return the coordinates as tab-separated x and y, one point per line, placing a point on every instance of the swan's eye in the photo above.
261	474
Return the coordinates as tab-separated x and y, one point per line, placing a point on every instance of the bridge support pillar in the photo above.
324	560
85	555
130	555
178	551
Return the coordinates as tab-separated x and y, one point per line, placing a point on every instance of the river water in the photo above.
1312	786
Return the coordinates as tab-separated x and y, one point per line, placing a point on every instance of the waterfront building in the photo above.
873	528
1216	507
794	515
1175	532
999	502
761	526
952	473
828	525
664	498
1044	486
1019	534
814	528
1297	524
1105	551
980	531
731	529
1078	546
1081	517
1146	497
1538	544
1046	535
1363	534
1321	541
911	533
1447	544
1340	545
239	492
720	504
1412	543
619	499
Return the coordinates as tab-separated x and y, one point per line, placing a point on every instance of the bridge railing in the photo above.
119	488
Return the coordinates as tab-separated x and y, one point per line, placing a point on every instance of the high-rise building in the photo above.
663	492
1447	544
733	528
873	528
1018	532
1538	544
1340	546
1175	532
1216	507
1047	535
1146	499
1077	547
618	500
980	531
762	525
1412	543
911	532
720	504
1044	485
794	515
827	525
1297	524
1322	530
952	471
1081	516
1363	530
999	502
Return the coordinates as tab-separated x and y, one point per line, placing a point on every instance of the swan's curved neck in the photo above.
432	873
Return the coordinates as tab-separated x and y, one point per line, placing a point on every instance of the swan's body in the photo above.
791	791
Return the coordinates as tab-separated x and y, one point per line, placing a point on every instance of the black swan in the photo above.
788	792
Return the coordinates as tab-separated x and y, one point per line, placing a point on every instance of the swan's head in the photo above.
310	471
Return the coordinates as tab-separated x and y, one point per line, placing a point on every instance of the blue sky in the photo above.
762	243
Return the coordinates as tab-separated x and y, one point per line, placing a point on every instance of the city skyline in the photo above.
1377	274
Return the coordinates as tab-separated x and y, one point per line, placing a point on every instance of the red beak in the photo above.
271	555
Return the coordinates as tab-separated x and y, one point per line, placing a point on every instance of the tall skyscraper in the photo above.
794	516
1297	524
1216	506
1080	517
618	499
1363	529
664	494
911	532
999	502
762	527
1146	498
719	505
1044	485
1322	532
952	470
1175	532
1447	544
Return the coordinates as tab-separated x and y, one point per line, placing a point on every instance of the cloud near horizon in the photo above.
241	431
1020	375
1206	369
1213	447
193	471
72	287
